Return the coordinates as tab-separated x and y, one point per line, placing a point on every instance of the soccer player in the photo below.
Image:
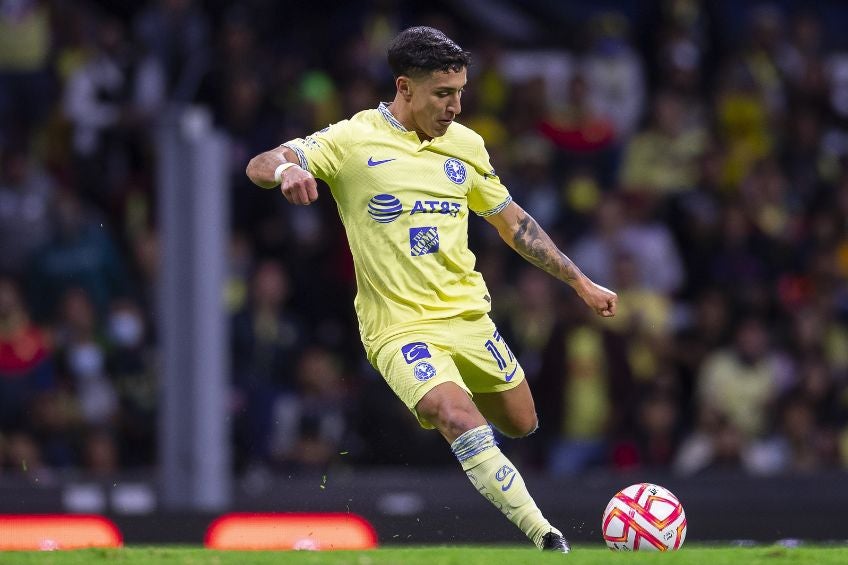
405	177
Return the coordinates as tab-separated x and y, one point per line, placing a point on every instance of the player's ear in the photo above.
404	87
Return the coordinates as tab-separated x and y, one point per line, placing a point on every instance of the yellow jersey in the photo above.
404	204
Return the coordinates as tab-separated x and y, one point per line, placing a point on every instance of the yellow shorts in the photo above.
467	351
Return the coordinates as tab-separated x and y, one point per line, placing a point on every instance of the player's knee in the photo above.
456	420
451	418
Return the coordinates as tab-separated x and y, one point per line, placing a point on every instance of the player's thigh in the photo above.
412	366
512	411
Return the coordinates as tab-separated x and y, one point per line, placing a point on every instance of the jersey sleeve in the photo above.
323	152
487	195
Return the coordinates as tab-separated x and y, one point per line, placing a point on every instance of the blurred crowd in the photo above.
698	168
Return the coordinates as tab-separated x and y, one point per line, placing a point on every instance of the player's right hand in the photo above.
600	299
299	186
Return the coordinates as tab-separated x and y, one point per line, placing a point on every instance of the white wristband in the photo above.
278	172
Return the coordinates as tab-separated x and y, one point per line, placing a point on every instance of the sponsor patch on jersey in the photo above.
423	240
415	351
436	207
424	371
384	208
455	170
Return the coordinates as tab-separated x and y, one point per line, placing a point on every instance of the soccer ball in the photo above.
644	517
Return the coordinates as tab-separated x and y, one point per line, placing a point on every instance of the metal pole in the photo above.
192	185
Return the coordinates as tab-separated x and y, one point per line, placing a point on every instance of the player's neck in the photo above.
403	113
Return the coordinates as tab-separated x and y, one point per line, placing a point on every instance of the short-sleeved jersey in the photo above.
405	204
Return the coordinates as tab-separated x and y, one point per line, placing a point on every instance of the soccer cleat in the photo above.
553	541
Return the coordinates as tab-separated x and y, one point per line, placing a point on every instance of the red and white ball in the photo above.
644	517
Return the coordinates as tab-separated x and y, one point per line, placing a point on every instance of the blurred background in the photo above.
690	155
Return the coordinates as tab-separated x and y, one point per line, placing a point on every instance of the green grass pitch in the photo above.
437	555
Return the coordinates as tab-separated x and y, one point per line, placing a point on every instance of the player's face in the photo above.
435	101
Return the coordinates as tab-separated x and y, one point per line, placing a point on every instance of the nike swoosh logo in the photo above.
373	163
507	486
508	377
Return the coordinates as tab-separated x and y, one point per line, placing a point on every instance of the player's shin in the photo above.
497	479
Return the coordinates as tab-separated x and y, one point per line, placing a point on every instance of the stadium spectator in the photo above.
27	372
614	73
645	321
309	426
743	125
585	388
81	253
760	59
583	135
741	383
22	457
713	444
695	221
681	54
739	261
143	261
266	338
26	193
26	88
175	34
654	440
529	318
705	326
663	159
81	350
627	224
805	437
100	454
103	103
650	242
131	366
536	184
598	245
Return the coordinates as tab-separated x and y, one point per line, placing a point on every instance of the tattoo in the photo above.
532	243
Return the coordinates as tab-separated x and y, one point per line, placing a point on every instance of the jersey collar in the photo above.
383	108
389	117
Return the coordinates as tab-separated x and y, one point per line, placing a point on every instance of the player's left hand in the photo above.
602	300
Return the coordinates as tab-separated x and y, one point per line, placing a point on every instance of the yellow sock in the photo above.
497	479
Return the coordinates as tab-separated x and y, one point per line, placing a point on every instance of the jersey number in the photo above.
496	353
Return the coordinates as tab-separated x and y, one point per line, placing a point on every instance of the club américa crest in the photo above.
455	170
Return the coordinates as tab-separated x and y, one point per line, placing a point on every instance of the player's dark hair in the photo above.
422	50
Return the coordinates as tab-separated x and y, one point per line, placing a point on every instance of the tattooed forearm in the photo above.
532	243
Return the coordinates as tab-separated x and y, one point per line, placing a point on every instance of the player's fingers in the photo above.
295	193
302	197
311	190
305	191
